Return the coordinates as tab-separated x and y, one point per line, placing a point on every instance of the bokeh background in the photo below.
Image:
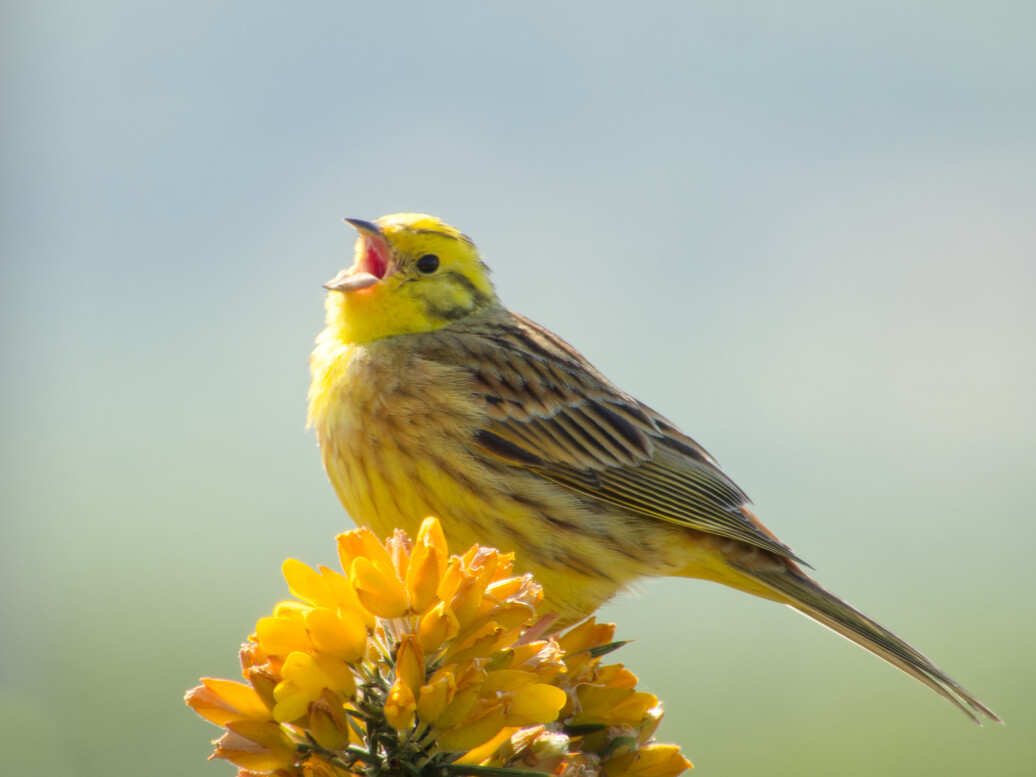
804	231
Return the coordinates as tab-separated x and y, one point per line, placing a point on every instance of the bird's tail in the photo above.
792	587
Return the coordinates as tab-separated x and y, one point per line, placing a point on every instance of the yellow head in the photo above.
412	273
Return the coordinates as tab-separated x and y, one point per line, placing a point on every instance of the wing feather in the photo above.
548	410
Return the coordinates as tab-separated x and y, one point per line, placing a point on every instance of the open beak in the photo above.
372	260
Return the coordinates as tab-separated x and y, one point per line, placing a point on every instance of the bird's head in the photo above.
412	273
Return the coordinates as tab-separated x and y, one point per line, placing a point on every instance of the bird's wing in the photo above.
551	412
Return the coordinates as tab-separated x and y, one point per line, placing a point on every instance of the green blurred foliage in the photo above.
803	232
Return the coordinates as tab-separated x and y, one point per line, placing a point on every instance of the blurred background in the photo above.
805	232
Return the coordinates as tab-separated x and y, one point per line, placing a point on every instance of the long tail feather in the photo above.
809	598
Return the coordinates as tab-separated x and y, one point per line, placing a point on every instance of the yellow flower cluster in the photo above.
417	662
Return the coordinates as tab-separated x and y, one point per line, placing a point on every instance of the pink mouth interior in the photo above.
375	260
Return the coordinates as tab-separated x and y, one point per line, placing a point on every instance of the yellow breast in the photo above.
396	435
390	427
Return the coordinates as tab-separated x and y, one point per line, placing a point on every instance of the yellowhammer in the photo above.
431	398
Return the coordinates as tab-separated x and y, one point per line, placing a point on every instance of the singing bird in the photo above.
429	397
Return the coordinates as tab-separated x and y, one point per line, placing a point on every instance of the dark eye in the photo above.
428	263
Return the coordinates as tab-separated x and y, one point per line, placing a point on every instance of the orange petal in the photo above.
535	703
400	706
255	745
220	701
378	588
337	632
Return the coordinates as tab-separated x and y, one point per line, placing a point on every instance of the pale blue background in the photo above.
804	231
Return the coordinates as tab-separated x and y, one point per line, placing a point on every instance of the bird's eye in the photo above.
428	263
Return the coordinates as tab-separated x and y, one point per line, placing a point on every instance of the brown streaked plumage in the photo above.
430	398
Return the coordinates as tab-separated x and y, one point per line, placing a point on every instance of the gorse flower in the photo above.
414	662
